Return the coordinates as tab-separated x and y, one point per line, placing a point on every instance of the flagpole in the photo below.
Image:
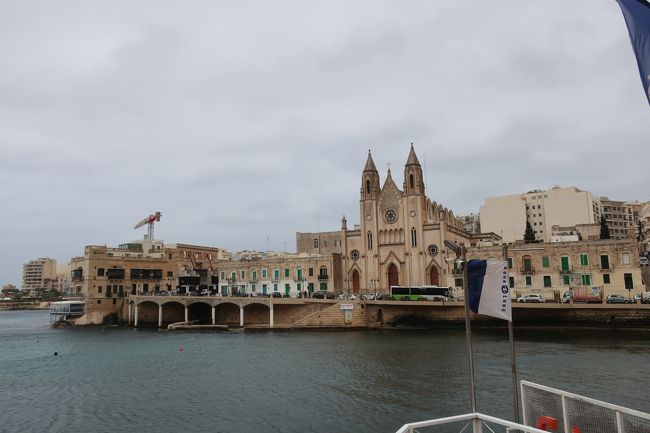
513	362
468	329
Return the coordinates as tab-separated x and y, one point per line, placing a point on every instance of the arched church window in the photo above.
369	240
411	183
367	186
414	237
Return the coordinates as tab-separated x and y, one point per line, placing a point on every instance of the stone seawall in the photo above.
320	314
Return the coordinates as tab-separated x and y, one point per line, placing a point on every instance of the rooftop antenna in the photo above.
150	220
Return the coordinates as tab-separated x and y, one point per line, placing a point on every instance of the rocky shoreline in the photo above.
13	306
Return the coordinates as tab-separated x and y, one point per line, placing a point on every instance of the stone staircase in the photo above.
334	317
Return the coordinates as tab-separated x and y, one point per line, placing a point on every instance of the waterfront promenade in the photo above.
307	313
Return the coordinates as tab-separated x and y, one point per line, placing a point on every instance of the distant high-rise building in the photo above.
619	216
507	215
36	271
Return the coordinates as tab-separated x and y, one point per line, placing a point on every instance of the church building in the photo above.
400	236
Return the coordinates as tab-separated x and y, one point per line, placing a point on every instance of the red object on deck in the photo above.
575	430
548	423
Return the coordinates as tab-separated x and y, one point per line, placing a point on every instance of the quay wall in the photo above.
318	314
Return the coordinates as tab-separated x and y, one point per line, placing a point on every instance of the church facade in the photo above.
400	236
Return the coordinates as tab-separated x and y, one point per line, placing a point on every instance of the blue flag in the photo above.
637	18
488	288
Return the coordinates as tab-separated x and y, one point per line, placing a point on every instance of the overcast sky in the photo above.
244	120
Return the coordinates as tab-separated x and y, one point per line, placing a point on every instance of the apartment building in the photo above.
36	271
507	215
551	268
287	274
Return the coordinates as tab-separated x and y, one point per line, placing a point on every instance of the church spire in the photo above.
413	179
370	164
413	158
369	180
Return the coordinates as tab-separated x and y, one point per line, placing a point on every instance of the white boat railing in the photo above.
565	412
470	422
545	409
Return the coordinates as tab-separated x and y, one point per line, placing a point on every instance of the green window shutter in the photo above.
264	273
310	287
458	282
547	281
286	272
287	287
223	275
566	280
509	263
253	287
564	261
299	272
264	288
629	283
545	262
255	275
275	287
586	280
323	287
243	275
527	265
529	280
584	260
299	287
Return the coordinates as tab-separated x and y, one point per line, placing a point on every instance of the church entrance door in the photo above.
356	286
393	275
433	276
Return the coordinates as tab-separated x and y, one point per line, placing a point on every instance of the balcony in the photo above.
299	279
252	281
527	270
323	277
232	280
563	270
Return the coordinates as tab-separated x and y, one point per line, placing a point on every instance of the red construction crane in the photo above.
150	220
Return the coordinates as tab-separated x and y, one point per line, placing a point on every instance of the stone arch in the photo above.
392	275
227	313
434	276
201	311
401	236
172	312
147	313
257	314
356	281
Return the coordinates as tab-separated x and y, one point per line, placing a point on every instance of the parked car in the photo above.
318	295
370	297
617	299
530	298
644	297
276	295
643	261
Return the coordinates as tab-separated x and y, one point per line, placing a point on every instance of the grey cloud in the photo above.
243	121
